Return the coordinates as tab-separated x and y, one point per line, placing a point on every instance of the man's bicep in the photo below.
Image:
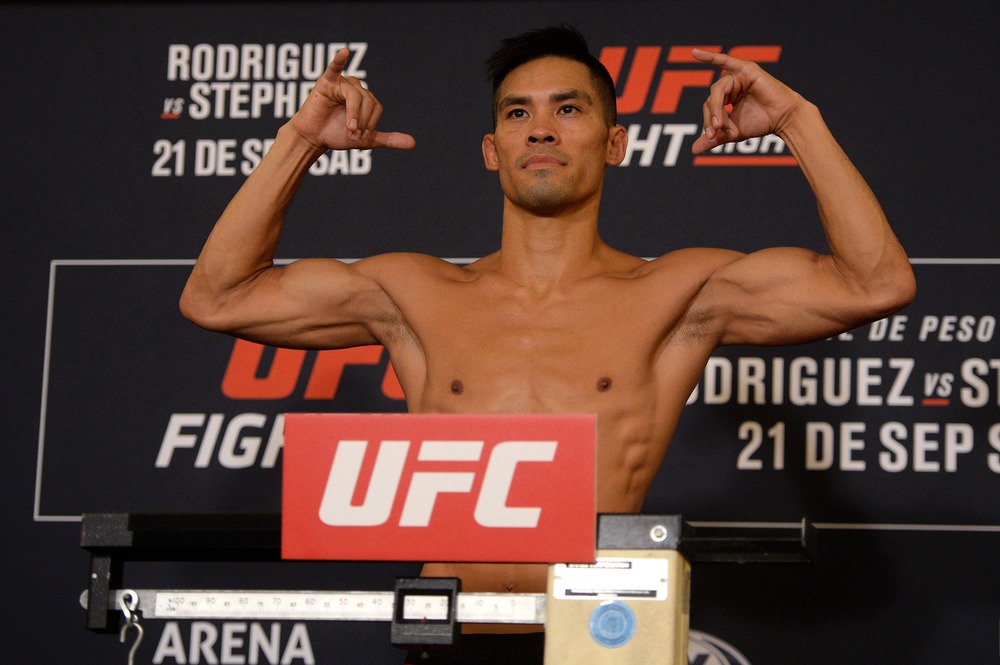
311	303
783	295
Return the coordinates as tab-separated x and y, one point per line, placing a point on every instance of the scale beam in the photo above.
305	605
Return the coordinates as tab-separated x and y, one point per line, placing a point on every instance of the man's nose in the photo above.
542	133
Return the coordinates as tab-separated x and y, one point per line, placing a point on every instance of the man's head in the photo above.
561	41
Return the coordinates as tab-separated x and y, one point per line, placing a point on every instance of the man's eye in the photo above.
516	113
569	108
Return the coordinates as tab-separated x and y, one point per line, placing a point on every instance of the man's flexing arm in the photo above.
789	295
235	286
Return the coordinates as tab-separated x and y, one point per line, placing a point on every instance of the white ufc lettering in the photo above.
492	508
337	509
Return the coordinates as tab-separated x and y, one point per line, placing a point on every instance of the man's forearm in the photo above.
862	244
245	237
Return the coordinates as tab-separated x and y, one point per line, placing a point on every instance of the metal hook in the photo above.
135	645
129	601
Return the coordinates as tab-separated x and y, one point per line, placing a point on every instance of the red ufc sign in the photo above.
439	487
648	61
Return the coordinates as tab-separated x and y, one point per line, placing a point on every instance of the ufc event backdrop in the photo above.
128	127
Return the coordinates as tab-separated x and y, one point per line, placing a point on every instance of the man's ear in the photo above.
490	153
617	143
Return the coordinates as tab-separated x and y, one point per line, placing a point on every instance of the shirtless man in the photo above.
555	321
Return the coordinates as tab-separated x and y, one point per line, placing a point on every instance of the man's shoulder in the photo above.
413	261
694	261
413	267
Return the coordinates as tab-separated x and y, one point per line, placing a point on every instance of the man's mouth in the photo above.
541	161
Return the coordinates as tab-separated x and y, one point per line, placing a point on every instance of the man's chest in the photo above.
485	351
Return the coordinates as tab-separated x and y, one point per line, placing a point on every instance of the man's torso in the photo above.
614	343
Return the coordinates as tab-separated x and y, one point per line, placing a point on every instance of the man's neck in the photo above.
543	251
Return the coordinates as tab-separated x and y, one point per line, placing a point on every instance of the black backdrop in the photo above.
127	128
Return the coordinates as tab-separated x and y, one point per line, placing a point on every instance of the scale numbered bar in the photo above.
344	606
524	608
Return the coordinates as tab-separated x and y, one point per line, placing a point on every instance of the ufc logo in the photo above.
439	487
647	61
258	372
491	510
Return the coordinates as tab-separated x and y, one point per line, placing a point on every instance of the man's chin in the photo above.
543	200
546	206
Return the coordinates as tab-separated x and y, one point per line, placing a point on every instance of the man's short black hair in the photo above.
561	40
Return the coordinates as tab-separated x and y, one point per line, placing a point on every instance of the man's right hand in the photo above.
341	114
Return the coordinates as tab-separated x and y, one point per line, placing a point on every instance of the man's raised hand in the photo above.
759	104
341	114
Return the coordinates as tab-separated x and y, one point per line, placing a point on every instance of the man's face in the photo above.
551	145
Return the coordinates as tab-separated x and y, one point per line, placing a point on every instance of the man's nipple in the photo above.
456	387
604	384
